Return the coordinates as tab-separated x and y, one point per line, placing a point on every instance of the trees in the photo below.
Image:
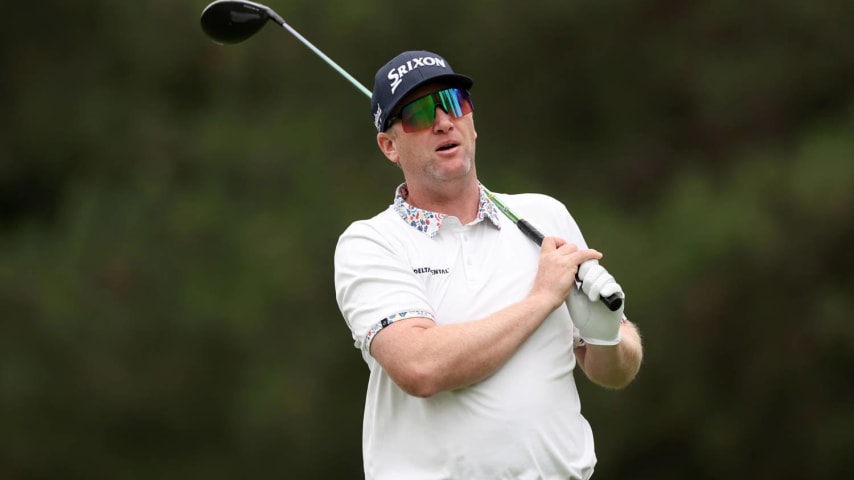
166	296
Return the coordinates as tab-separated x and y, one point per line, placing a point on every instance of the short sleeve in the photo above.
374	284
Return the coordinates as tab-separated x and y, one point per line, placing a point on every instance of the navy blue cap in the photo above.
403	74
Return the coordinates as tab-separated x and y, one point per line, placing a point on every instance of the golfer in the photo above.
470	330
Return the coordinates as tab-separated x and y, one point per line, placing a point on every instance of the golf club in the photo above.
230	21
233	21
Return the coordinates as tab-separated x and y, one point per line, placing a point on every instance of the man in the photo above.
471	332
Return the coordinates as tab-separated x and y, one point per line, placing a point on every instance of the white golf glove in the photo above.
596	323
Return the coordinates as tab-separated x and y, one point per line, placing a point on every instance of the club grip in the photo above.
530	231
613	302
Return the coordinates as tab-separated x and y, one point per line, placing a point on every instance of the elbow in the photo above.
615	379
420	391
614	368
418	380
616	383
613	376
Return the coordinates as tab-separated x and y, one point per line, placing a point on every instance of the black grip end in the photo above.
530	231
613	302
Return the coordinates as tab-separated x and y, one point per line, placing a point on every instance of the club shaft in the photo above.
613	302
322	55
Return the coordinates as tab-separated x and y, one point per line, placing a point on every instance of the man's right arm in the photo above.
424	358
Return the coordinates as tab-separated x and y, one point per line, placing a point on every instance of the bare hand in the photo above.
558	266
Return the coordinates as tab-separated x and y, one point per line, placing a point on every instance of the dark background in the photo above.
169	209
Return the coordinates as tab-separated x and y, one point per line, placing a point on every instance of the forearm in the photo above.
437	358
424	358
613	366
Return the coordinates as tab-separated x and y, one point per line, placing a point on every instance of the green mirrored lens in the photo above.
421	113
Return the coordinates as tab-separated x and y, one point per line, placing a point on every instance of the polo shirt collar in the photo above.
429	222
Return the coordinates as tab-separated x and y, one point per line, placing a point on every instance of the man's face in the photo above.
443	152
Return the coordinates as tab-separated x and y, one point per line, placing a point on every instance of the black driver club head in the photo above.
233	21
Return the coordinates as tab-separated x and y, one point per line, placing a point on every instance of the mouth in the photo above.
447	146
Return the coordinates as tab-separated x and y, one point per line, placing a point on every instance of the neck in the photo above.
458	199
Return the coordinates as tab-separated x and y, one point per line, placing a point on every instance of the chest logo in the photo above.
431	271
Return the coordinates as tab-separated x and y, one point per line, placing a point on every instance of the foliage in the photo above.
169	208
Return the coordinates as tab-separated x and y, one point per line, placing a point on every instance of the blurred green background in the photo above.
169	209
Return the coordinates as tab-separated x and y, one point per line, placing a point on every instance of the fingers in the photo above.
584	269
597	281
559	242
611	289
587	254
602	279
556	272
582	264
556	250
559	261
549	244
579	256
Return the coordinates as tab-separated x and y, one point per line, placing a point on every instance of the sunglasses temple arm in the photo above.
613	302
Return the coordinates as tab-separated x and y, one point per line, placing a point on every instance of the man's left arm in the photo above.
613	366
611	353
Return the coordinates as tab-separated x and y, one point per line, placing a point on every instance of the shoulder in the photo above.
545	212
533	200
385	232
532	205
374	226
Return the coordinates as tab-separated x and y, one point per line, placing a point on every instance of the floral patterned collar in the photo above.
429	222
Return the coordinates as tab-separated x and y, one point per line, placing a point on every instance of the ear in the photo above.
388	147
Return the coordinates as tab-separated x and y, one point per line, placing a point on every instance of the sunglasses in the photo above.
421	112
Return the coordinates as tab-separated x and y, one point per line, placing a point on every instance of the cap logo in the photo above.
378	118
396	74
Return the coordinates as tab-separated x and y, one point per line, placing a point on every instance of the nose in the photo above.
443	120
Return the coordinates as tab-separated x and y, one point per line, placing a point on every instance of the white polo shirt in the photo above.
524	421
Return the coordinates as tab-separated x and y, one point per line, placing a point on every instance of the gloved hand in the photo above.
597	324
